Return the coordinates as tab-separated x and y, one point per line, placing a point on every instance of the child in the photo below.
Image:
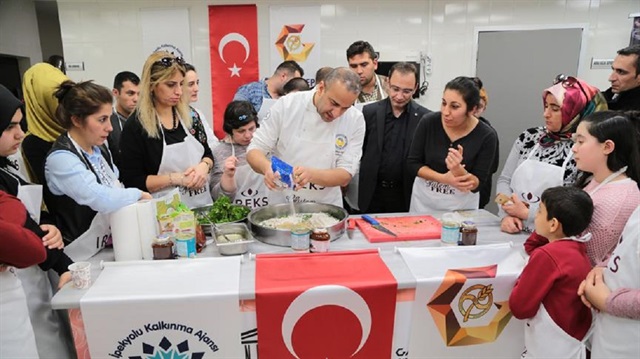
614	290
545	293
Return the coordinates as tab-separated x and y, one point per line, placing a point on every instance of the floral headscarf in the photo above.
577	99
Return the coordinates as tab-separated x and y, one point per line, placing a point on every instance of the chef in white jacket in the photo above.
319	133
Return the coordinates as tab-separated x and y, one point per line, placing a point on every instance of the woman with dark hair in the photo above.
541	156
161	146
451	153
193	88
80	172
232	175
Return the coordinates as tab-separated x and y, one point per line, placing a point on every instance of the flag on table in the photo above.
329	305
461	307
165	309
233	48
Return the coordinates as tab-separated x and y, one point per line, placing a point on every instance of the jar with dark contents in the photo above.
320	239
201	238
162	247
468	233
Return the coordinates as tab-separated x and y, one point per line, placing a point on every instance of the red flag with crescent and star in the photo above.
233	48
327	305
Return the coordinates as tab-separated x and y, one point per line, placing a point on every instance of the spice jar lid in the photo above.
320	230
162	238
468	225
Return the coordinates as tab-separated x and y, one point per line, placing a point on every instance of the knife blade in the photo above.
375	224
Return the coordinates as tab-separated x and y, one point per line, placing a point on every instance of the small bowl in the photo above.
235	247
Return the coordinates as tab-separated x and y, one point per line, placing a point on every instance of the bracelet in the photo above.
209	166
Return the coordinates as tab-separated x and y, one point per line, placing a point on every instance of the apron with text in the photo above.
430	196
16	333
617	337
313	153
50	335
174	158
251	192
545	339
532	177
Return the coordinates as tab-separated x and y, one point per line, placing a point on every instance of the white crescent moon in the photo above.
231	37
326	295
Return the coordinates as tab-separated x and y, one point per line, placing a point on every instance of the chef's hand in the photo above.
454	161
145	195
270	178
196	176
302	176
511	224
593	291
229	169
516	208
64	279
53	238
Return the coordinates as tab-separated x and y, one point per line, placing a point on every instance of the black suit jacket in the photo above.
374	115
114	138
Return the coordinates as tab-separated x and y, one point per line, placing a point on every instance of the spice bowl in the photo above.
232	238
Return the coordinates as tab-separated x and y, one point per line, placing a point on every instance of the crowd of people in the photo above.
572	183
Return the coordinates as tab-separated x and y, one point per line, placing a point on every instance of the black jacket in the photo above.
374	116
625	101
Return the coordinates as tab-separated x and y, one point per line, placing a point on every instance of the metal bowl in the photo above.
282	237
208	227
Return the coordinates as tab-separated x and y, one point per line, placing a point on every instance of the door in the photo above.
515	66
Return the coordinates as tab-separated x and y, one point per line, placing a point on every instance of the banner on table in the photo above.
233	49
295	35
158	35
165	309
333	305
461	306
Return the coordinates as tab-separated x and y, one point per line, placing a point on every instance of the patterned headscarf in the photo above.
577	99
40	82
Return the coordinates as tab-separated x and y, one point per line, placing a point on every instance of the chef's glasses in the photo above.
570	81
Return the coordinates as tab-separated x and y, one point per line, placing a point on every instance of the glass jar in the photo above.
319	239
468	234
162	247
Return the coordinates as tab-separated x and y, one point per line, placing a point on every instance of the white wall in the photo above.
19	31
107	36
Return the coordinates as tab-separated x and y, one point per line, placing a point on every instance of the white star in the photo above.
235	70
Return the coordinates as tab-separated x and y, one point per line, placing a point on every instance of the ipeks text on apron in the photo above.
174	157
532	177
316	149
251	190
431	196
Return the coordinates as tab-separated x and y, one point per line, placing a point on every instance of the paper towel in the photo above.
125	232
148	226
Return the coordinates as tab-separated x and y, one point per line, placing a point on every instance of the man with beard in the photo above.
363	60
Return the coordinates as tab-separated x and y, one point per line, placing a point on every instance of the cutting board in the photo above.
411	228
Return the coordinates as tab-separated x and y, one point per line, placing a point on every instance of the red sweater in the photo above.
19	247
551	277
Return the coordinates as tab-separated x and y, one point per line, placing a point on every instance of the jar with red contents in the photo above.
320	239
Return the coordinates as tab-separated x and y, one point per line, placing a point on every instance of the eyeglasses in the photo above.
397	89
168	61
570	81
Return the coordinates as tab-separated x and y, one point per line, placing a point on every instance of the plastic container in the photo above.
186	246
300	240
450	229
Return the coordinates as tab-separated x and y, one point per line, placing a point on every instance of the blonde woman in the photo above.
161	146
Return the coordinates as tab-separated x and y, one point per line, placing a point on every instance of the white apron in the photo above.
544	339
30	195
431	196
315	154
617	337
16	333
532	177
251	192
178	157
51	339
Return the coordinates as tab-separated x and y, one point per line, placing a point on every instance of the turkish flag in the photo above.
233	48
328	305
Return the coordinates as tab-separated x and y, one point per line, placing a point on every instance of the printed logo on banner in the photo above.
464	308
290	46
170	48
187	343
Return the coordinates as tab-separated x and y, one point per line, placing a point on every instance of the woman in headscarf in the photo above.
162	147
541	156
38	85
51	337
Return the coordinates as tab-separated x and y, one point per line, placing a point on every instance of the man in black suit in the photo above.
125	92
384	184
624	93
